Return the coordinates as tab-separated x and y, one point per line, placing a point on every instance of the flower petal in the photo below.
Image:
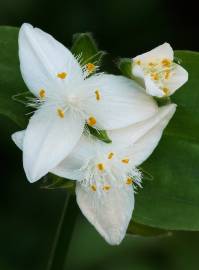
72	167
18	138
48	140
116	102
179	78
152	88
109	213
160	52
42	58
142	138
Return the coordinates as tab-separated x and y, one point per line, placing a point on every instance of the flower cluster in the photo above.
69	97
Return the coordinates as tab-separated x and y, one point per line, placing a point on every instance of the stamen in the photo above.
155	76
97	94
90	67
166	62
93	187
91	121
129	181
100	166
106	187
138	62
151	64
62	75
125	160
60	113
166	90
42	93
110	155
167	74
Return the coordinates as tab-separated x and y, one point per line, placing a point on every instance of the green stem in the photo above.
64	234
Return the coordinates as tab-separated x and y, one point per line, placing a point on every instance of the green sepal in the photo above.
52	181
85	47
99	134
125	66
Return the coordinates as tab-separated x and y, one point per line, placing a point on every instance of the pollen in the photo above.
129	181
106	187
62	75
97	95
90	67
110	155
42	93
100	166
91	121
165	90
60	112
125	160
93	187
155	76
166	62
167	74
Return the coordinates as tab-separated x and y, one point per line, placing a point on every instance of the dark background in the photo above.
29	214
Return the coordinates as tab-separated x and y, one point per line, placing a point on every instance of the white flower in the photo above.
66	99
105	172
161	76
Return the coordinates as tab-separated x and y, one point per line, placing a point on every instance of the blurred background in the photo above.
28	214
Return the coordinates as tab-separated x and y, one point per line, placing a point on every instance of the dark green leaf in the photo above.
100	134
11	82
143	230
171	200
84	46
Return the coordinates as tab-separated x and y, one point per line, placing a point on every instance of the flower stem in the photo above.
64	234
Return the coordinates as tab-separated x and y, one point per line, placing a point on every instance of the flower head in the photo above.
160	74
107	174
66	98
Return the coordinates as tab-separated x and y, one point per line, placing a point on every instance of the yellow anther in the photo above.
91	121
155	76
110	155
129	181
90	67
166	62
60	113
93	187
100	166
165	90
137	62
62	75
97	95
125	160
106	187
167	74
42	93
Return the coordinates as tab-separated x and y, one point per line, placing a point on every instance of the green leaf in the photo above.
100	134
52	181
11	82
85	47
171	200
125	66
143	230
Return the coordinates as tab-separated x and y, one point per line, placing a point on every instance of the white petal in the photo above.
160	52
152	88
48	140
177	79
18	138
122	101
42	58
72	166
109	213
142	138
